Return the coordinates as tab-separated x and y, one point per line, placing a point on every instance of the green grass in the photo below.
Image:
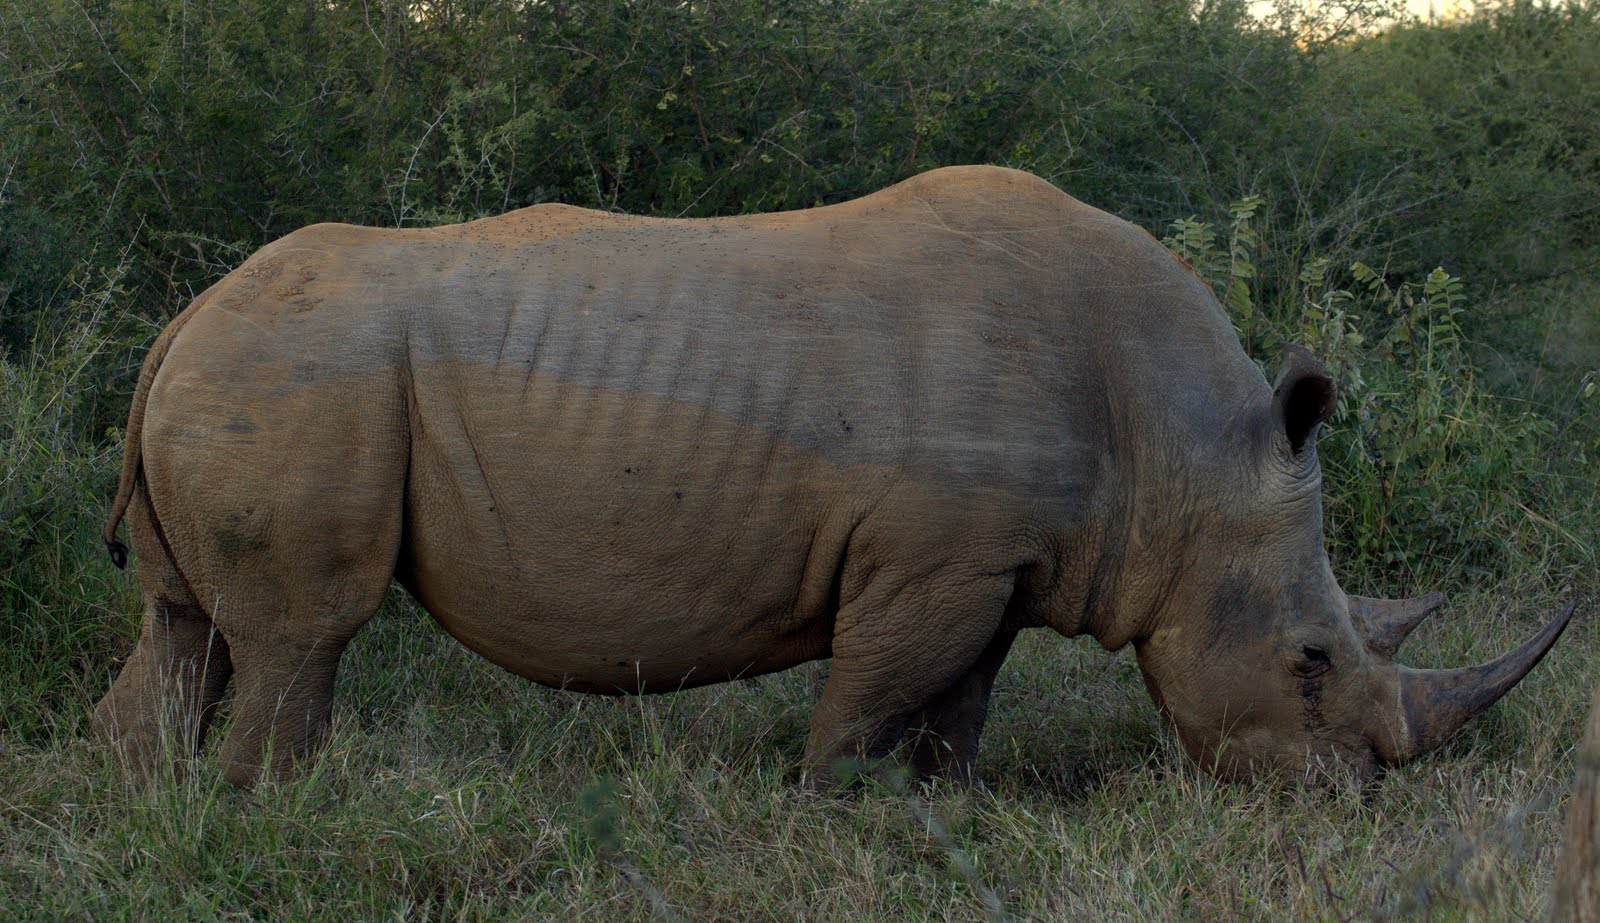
452	790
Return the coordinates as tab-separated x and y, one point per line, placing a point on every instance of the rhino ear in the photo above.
1302	397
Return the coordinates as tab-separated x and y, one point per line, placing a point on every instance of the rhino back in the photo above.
967	325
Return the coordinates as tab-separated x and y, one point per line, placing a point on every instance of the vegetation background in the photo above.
1419	202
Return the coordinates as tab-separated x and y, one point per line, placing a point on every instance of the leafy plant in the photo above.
1422	462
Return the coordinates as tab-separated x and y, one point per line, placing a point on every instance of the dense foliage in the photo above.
1318	169
198	129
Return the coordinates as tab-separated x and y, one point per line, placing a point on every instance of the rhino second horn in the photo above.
1438	702
1386	622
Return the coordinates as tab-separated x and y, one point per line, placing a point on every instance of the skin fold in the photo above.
619	455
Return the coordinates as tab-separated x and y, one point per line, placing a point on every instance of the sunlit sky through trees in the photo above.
1426	9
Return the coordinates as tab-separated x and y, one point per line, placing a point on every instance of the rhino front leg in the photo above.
946	742
896	647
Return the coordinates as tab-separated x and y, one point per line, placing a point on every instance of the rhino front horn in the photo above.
1437	702
1384	623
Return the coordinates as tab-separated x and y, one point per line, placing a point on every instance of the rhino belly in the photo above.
619	542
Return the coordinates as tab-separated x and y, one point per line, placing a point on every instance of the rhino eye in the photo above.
1313	662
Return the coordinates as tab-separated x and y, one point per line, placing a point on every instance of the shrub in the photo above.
56	590
1428	472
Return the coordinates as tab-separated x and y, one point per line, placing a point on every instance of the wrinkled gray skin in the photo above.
620	454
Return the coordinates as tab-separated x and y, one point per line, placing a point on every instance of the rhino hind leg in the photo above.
158	709
897	647
289	623
294	610
945	741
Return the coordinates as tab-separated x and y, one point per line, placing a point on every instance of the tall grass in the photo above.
62	611
451	790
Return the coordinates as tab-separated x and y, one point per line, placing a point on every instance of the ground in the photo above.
452	790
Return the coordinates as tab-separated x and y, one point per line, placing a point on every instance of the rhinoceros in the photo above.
623	454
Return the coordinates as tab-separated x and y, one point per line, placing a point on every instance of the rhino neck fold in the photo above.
1146	531
1094	590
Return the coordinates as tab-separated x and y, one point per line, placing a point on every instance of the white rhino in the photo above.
622	454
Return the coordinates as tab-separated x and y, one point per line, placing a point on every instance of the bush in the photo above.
56	590
199	131
1428	472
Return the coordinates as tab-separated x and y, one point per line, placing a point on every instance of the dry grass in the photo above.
451	790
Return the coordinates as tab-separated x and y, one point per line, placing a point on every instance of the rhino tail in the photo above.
132	442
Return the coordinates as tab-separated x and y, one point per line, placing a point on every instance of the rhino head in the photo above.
1259	659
